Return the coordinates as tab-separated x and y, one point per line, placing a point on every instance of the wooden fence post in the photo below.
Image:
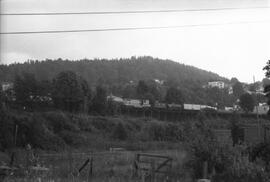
90	173
205	169
153	176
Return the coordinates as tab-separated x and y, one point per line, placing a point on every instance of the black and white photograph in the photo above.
134	90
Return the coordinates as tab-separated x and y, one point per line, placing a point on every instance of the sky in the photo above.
232	50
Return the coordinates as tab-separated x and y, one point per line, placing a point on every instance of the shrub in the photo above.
60	121
120	132
71	138
103	124
41	137
261	151
6	131
242	170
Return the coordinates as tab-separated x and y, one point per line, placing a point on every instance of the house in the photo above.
160	82
229	108
173	105
160	105
260	89
6	86
218	84
136	102
262	108
197	107
115	98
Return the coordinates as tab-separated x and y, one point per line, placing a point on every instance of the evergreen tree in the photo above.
120	132
238	89
142	89
26	90
100	100
174	95
68	92
247	102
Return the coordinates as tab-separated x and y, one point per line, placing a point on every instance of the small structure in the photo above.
160	82
115	98
262	108
136	103
197	107
230	90
230	109
175	106
160	105
6	86
218	84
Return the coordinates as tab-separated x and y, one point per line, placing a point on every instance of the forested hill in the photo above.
115	71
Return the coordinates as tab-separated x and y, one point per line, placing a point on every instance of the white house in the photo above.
218	84
136	103
197	107
261	109
6	86
115	98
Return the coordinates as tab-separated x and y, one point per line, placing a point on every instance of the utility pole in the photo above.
257	114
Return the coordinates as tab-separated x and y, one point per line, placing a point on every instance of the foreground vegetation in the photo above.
191	143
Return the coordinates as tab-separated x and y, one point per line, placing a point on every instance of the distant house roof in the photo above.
115	98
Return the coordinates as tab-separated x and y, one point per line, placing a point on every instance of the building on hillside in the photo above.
230	90
160	82
175	106
7	86
115	98
229	109
136	102
262	108
218	84
160	105
260	89
197	107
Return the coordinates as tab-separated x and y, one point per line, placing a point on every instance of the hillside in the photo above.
116	71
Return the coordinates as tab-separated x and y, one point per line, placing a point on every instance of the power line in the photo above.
128	12
127	28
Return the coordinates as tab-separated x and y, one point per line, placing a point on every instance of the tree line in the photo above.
133	78
71	92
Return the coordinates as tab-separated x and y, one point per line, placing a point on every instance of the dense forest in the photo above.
111	71
120	76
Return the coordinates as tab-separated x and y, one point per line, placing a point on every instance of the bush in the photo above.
59	121
243	170
6	131
41	137
71	138
120	132
103	124
261	151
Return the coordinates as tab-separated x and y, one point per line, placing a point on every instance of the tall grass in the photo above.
107	166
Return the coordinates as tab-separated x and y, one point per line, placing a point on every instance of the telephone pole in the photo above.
257	114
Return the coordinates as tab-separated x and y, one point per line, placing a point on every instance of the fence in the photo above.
178	114
149	166
96	166
85	166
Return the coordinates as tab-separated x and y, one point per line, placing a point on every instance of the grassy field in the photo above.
62	142
106	166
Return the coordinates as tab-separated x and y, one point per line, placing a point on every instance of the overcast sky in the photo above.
231	50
